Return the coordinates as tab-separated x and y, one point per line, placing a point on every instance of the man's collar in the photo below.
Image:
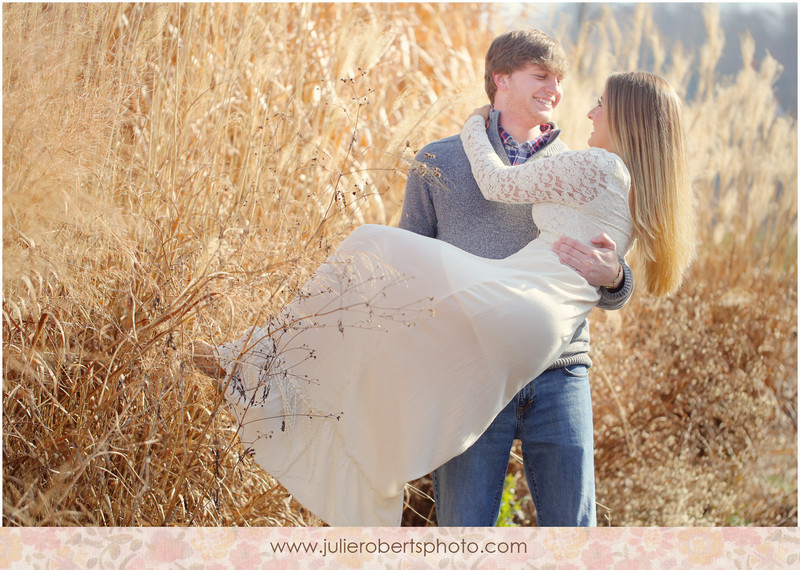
545	129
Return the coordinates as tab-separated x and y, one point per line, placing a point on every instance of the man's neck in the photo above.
520	131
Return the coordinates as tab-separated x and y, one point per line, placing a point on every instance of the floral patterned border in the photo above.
287	548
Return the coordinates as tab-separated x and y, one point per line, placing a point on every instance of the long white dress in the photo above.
401	349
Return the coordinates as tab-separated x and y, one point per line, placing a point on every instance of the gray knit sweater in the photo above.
443	201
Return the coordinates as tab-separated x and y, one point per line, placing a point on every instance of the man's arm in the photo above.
419	214
600	266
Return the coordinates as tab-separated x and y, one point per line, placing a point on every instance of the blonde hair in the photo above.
644	123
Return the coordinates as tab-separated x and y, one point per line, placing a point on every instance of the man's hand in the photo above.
598	265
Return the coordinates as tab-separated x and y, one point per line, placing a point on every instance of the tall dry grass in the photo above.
173	172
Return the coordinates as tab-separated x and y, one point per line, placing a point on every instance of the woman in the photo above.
376	373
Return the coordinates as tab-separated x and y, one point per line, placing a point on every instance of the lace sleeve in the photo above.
571	178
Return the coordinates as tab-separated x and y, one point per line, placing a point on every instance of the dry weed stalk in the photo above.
173	171
177	171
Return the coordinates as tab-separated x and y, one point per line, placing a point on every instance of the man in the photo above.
552	415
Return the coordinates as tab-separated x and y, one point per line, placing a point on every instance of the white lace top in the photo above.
579	194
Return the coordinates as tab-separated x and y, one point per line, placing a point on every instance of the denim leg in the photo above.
468	488
558	447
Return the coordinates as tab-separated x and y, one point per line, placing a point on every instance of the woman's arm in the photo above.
572	178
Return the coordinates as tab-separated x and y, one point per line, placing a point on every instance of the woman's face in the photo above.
599	137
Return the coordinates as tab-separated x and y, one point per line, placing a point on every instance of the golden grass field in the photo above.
175	172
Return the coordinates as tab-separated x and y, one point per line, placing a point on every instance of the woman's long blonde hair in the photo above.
644	123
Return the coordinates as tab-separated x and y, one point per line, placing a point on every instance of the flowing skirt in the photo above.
394	358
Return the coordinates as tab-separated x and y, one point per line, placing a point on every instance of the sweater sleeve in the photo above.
419	213
615	300
573	178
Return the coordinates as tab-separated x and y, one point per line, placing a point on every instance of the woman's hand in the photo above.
482	112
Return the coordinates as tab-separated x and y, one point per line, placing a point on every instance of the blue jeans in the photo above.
552	417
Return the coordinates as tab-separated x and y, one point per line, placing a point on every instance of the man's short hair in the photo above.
518	48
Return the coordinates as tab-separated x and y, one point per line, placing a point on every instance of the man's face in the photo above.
530	93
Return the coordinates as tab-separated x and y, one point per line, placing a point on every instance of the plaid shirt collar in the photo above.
519	153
